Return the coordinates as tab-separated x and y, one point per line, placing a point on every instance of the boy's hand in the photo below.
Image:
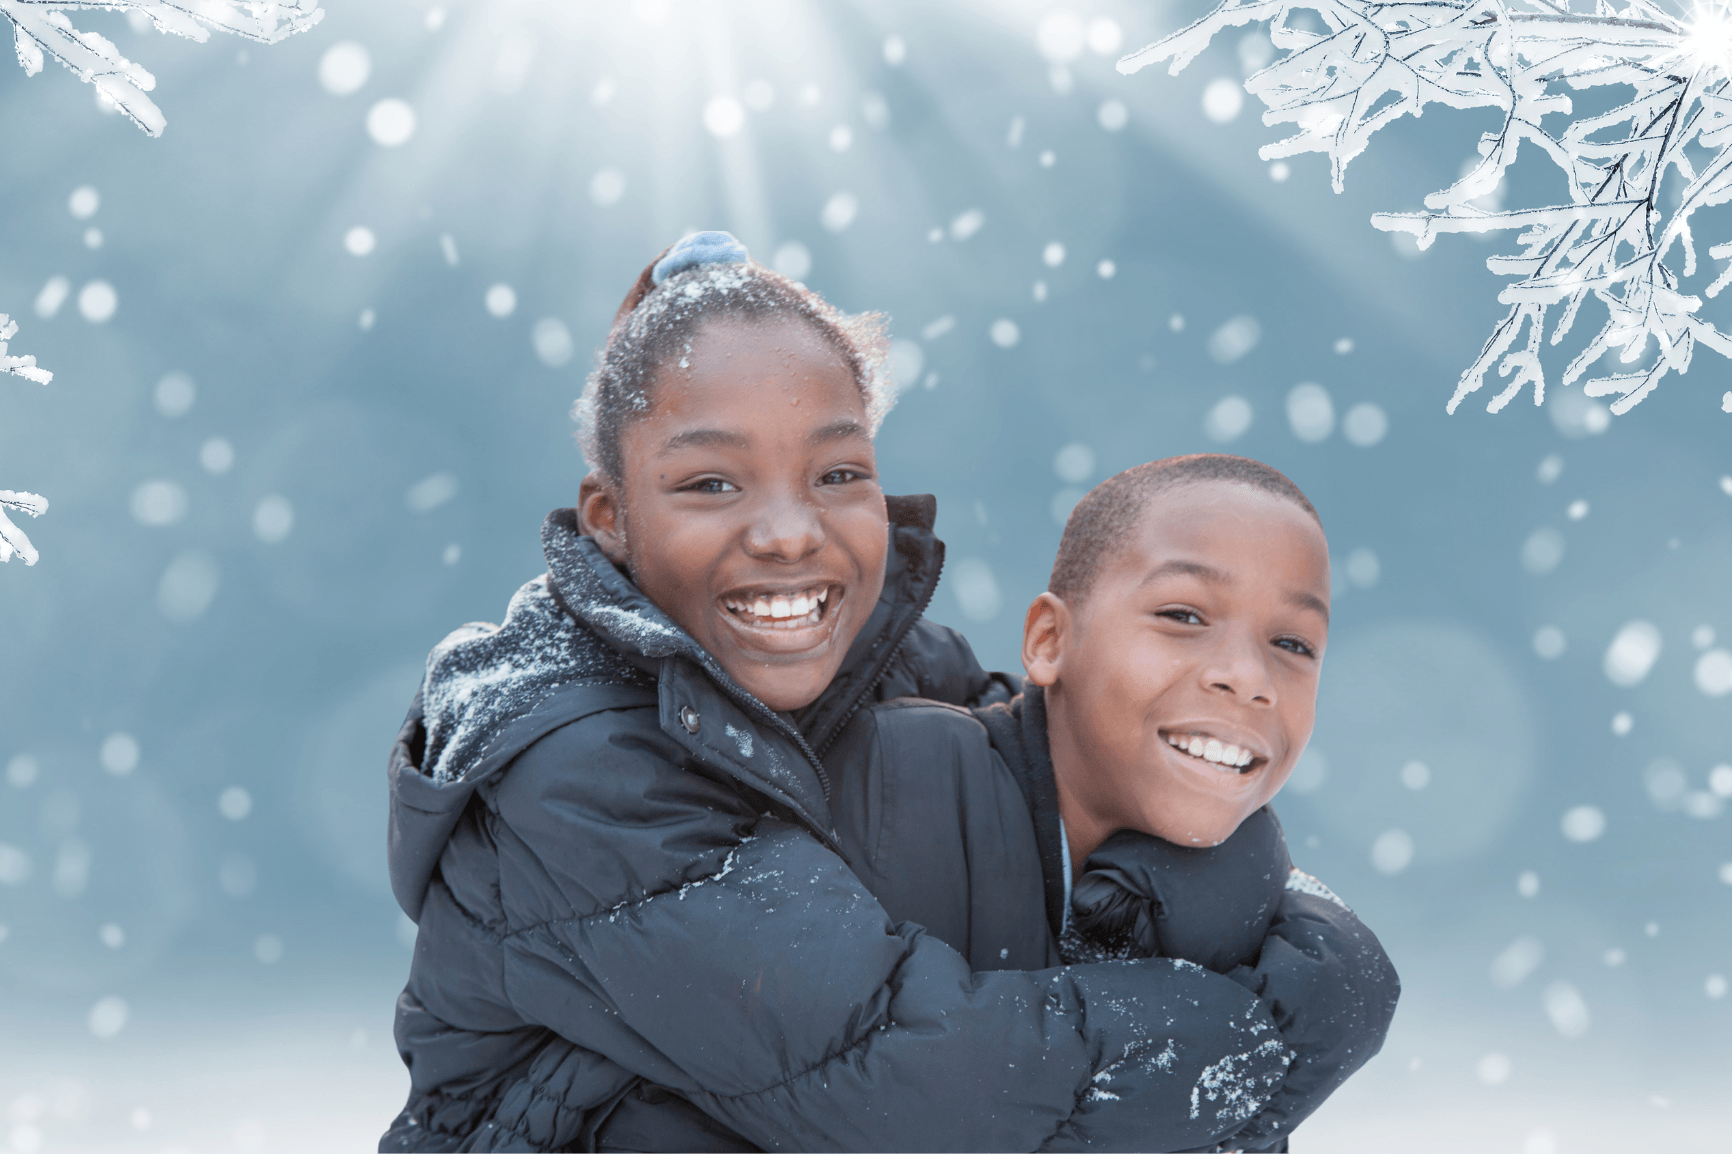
1140	896
1332	990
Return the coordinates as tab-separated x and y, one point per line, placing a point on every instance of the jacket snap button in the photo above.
689	719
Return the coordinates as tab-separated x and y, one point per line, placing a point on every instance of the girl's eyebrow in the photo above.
718	437
837	431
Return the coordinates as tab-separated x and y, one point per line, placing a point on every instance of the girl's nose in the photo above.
787	528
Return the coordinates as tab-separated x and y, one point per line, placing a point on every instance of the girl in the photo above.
611	814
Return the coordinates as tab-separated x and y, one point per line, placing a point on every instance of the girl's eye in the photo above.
712	485
1294	645
1183	616
840	476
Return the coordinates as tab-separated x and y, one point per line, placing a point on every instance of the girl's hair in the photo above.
655	326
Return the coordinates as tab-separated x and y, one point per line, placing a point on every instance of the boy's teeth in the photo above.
1210	749
760	608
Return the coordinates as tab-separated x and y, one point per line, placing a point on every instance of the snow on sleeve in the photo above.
1616	239
1301	882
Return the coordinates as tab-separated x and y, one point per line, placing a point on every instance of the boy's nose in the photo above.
787	528
1241	671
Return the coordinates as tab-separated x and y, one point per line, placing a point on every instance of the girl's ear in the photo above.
1044	633
601	514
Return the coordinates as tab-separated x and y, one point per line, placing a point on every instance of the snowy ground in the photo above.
200	1074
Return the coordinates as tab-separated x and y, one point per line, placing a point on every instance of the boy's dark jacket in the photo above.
917	772
652	895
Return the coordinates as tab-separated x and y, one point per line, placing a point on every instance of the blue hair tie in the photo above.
696	249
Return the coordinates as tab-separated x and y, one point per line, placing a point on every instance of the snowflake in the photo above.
42	26
1617	239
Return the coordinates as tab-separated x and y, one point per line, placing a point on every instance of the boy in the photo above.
1172	681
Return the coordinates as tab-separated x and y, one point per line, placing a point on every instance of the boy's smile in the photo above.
1182	686
751	511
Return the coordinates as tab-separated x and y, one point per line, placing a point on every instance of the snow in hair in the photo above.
660	330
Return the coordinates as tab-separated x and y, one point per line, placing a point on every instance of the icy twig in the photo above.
21	366
43	27
1376	62
12	538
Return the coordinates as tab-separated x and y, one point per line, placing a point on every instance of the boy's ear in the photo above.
601	514
1044	633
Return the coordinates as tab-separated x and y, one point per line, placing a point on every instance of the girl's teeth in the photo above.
784	609
1196	747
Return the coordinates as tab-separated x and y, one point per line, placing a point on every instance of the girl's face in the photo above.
750	511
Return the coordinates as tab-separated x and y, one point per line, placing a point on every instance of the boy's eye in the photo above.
712	485
1294	645
840	476
1183	616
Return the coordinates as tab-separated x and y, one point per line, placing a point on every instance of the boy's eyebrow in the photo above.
1309	601
1189	569
1215	576
719	437
837	431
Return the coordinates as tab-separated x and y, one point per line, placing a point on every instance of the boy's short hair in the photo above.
1113	509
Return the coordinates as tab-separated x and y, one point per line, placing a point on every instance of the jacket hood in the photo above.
492	690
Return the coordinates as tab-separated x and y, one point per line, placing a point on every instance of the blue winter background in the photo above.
314	435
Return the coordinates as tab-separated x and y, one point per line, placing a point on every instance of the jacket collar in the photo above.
593	591
1017	729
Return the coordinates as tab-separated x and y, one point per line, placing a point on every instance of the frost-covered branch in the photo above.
1616	240
12	538
43	27
22	366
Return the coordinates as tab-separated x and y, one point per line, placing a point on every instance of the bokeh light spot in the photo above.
1222	99
344	68
1228	419
97	301
83	202
1584	823
391	122
273	519
1310	412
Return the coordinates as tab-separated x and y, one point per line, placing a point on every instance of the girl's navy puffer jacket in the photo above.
624	871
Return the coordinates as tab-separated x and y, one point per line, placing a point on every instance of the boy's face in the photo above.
751	511
1185	684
